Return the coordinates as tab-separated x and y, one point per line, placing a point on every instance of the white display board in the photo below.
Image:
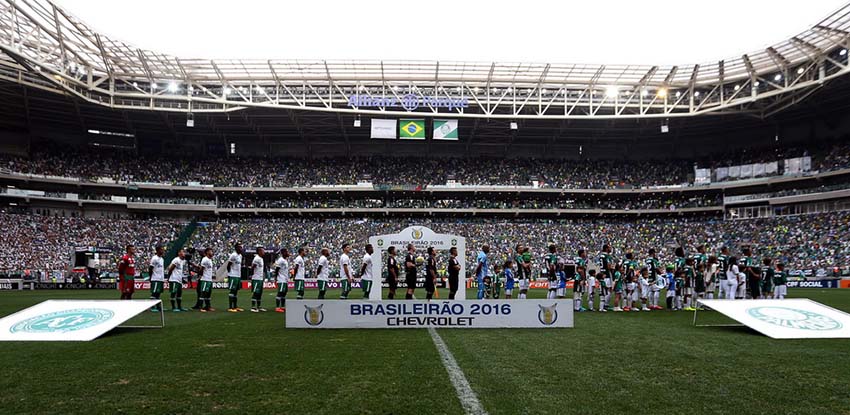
383	128
421	238
797	318
401	314
71	320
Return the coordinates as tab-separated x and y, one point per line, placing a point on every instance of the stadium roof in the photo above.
599	31
48	48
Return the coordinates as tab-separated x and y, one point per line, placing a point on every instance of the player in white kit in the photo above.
346	276
322	272
298	263
175	281
234	278
281	272
157	276
206	281
366	271
258	275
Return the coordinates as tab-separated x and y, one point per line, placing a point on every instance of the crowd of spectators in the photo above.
590	201
47	242
92	164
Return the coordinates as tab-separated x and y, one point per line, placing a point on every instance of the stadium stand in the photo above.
93	164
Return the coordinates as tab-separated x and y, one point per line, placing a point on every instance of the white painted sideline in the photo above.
464	391
792	318
72	320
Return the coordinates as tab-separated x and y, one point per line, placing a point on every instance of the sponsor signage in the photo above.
813	284
390	314
70	320
10	285
421	238
410	102
786	319
75	286
383	128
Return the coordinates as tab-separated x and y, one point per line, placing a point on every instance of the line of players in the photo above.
281	273
625	284
628	286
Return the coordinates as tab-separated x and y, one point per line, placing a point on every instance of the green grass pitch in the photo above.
639	363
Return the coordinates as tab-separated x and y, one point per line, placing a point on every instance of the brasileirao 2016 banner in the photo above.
338	314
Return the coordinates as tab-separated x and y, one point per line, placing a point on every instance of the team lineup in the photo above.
608	284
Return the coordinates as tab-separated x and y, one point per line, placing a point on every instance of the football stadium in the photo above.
270	230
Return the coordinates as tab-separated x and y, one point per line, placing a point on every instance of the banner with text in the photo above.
391	314
383	128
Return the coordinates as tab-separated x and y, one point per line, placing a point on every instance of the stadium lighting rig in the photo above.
44	46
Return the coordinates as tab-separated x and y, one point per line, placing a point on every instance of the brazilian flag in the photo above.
413	129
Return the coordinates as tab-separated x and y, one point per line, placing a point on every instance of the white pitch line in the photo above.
464	392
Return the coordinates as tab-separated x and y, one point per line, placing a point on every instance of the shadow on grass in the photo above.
126	330
732	329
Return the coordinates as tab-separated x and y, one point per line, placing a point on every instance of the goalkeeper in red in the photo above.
127	273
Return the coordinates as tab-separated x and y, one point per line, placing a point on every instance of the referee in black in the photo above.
410	271
454	272
431	273
392	272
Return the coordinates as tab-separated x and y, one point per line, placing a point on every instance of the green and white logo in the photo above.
63	321
793	318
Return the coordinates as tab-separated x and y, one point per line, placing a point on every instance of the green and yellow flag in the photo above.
411	129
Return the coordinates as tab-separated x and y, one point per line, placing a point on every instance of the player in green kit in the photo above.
618	286
606	276
690	282
679	279
579	280
522	272
767	274
630	267
752	270
654	272
780	280
722	267
680	258
700	256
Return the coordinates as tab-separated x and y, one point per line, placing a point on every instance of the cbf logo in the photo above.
547	315
380	242
63	321
416	234
793	318
314	315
